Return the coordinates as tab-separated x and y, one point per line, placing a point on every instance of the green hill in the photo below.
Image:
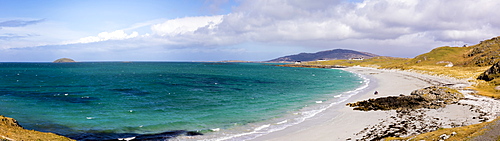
483	54
441	56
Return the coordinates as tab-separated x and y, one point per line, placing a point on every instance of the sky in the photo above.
252	30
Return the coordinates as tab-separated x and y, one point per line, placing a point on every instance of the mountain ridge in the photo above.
335	54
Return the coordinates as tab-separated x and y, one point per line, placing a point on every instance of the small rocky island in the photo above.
64	60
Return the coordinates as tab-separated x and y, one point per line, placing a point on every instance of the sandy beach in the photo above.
344	123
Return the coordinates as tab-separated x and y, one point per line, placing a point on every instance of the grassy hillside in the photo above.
441	56
485	53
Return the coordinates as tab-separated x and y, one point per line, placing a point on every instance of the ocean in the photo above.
222	101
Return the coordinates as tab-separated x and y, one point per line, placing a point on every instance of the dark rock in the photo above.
193	133
102	136
431	97
492	73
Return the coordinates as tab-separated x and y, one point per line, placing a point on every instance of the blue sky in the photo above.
256	30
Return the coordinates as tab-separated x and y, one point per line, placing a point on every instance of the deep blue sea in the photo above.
107	100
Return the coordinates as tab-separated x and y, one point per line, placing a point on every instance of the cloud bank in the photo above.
380	21
401	28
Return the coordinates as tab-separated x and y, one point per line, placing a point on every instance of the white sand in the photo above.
341	123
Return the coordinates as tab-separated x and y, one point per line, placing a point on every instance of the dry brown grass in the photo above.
486	89
375	62
455	72
482	87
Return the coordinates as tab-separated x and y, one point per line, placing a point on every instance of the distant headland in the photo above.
64	60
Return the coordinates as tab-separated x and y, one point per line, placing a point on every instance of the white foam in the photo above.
282	122
126	139
215	130
262	127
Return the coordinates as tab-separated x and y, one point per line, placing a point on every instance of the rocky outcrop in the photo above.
492	73
64	60
431	97
484	53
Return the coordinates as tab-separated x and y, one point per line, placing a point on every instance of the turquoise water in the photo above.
83	100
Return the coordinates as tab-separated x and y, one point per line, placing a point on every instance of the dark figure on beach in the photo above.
376	92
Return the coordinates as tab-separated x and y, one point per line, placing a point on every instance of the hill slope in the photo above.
335	54
483	54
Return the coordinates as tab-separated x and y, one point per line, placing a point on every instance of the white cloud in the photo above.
104	36
186	25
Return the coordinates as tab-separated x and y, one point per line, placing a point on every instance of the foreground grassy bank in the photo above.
11	130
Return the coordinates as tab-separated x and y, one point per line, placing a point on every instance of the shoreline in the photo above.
340	122
343	123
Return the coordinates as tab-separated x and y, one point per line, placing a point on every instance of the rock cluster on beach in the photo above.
431	97
411	112
405	122
419	112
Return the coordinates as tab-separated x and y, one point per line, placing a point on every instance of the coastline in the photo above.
344	123
339	122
